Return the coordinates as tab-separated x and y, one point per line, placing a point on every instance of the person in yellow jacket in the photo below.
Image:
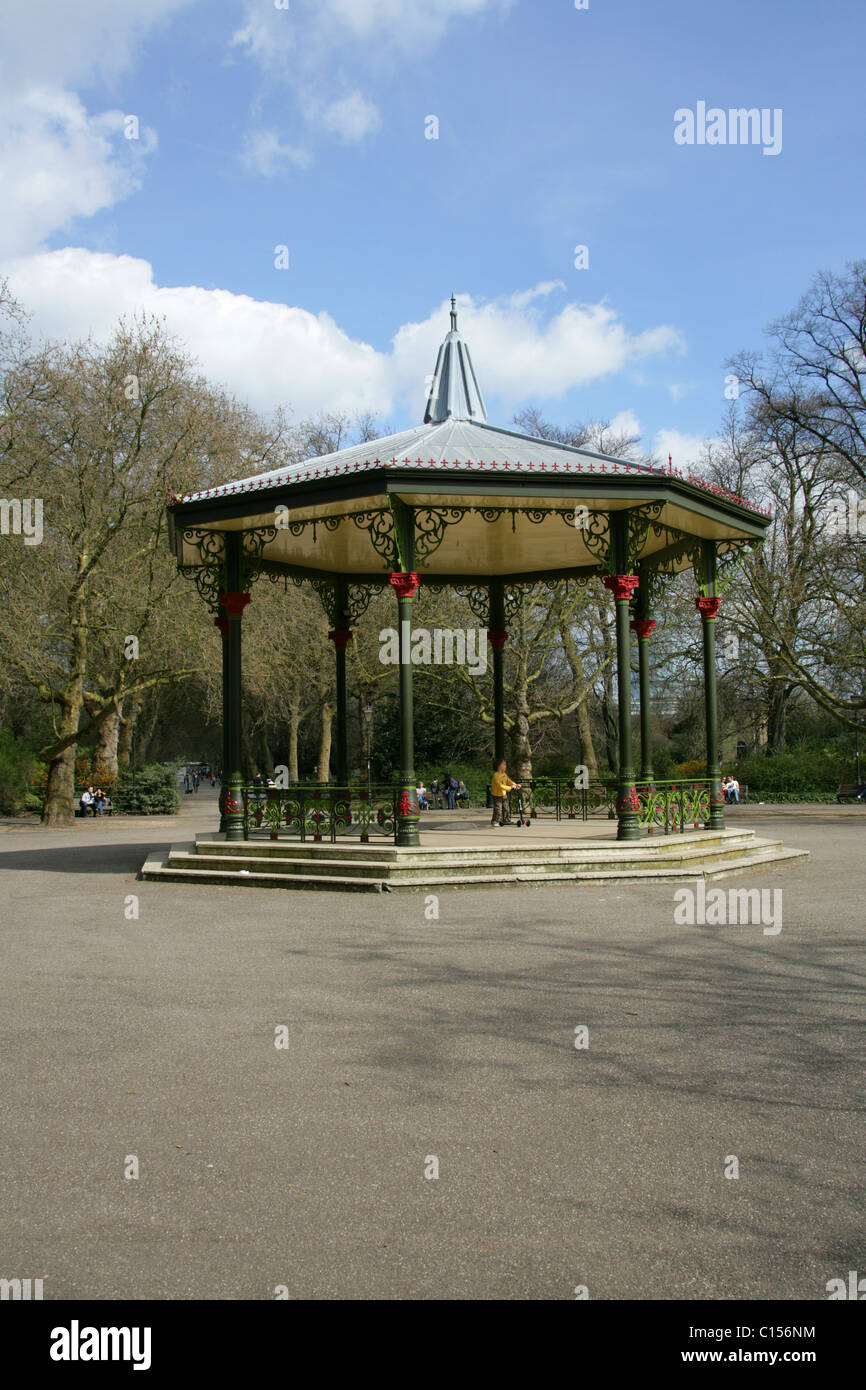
502	785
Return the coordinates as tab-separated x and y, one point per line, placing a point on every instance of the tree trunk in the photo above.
266	756
584	727
146	721
124	742
294	722
521	748
777	709
323	773
105	754
610	720
59	808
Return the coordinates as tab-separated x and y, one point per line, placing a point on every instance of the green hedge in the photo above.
156	791
18	764
800	774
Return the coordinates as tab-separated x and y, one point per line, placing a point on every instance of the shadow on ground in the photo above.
83	859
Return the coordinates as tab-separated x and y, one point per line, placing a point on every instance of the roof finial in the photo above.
454	392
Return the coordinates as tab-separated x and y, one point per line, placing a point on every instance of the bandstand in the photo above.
458	502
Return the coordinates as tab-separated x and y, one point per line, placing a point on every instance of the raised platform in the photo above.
470	857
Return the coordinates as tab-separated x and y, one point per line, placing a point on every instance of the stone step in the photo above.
492	863
704	842
157	868
214	843
767	854
736	868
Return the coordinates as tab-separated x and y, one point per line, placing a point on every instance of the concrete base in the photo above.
477	859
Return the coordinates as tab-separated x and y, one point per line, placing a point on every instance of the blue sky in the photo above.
305	127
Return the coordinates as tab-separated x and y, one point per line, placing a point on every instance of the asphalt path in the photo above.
139	1020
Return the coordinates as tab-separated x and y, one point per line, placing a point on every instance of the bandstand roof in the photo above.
500	503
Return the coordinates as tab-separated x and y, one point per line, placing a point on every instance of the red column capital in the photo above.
405	584
642	626
621	585
708	607
497	638
234	604
341	636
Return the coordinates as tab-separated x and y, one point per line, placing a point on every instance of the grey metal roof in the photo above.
456	438
451	445
455	393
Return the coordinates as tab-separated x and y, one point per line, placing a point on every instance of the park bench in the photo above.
79	810
848	791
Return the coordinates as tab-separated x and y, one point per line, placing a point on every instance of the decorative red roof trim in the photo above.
531	466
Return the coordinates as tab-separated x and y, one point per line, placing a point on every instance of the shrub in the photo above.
156	792
18	766
798	774
694	768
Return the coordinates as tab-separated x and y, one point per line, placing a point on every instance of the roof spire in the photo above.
455	393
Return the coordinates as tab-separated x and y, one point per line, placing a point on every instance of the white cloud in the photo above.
58	163
405	21
678	390
57	160
313	51
267	353
686	450
62	45
264	153
271	353
269	35
626	422
520	356
351	118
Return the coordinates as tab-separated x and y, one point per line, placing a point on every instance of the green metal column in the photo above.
221	623
642	625
621	585
405	583
234	602
708	607
497	637
341	636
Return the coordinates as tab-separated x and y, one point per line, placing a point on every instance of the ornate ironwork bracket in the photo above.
430	524
595	535
252	545
383	536
729	557
638	522
209	576
330	523
478	598
360	596
327	595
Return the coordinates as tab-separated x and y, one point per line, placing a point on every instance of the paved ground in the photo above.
410	1037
